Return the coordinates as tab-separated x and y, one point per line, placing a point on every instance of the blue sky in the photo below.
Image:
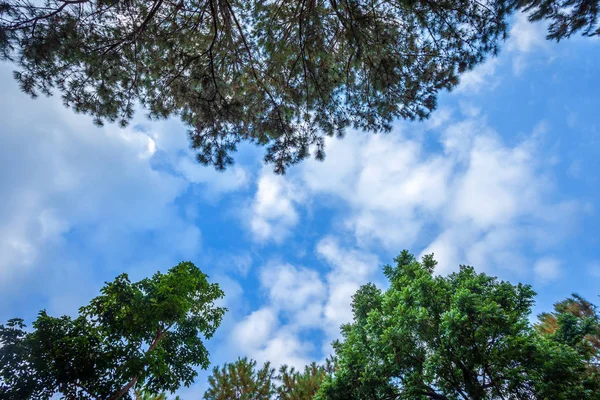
504	177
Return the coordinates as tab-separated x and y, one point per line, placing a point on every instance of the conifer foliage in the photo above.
241	380
279	73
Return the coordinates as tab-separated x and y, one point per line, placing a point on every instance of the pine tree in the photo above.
283	74
241	380
566	17
301	385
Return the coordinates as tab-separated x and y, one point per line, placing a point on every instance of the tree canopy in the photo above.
146	334
279	73
464	336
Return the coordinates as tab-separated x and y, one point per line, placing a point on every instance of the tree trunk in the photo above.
159	335
124	390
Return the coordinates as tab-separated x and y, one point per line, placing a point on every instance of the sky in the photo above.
503	177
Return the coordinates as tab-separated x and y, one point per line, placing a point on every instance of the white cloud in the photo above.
273	211
500	198
380	178
498	184
350	263
350	269
478	201
285	348
525	37
547	270
66	175
438	118
290	288
255	329
480	77
260	337
216	182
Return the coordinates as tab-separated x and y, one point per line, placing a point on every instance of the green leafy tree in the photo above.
146	334
241	381
464	336
283	74
143	394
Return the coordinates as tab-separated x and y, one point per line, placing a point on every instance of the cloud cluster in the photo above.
81	203
300	301
478	200
273	211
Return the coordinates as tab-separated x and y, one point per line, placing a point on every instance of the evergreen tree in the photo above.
279	73
146	333
566	17
241	381
301	385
